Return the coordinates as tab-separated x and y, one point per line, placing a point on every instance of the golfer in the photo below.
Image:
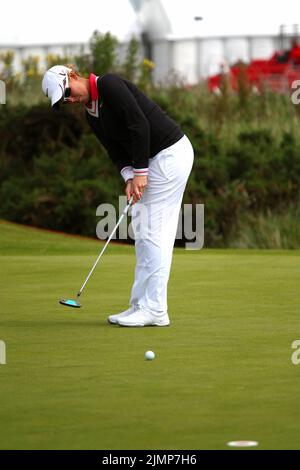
155	159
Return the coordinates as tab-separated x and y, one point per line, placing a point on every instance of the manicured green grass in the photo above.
222	371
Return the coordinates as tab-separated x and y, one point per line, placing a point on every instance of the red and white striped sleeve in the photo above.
127	173
140	171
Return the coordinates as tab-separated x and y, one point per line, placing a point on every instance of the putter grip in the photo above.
129	203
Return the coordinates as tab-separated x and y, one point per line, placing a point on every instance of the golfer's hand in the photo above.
129	190
139	185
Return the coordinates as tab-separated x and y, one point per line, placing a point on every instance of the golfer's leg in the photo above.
168	174
140	277
150	264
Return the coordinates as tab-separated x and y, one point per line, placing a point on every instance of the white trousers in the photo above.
155	220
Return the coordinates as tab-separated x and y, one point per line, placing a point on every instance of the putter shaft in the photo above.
103	249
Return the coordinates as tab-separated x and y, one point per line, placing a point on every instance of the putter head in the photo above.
70	303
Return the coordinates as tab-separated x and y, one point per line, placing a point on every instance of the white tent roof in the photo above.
61	22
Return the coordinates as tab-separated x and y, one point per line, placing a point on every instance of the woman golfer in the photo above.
155	159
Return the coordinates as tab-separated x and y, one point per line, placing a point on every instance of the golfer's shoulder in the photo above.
110	82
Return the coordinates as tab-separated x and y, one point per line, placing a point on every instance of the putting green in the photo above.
222	370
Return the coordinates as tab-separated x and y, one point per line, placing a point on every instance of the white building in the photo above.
173	49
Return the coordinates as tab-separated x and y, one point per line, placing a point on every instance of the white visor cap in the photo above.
54	83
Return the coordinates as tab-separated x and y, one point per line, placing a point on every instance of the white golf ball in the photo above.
149	355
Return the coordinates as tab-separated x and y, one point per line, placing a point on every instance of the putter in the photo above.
75	303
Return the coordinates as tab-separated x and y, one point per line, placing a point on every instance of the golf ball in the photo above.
149	355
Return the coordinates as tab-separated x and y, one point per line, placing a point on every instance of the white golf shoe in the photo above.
113	319
143	318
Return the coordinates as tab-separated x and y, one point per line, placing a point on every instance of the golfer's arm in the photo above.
126	108
121	161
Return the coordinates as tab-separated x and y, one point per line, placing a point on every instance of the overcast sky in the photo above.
33	21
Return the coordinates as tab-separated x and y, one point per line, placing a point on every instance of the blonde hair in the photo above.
73	70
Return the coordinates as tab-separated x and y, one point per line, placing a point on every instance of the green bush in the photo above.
54	173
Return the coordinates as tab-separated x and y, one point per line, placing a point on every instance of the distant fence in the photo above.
197	58
191	58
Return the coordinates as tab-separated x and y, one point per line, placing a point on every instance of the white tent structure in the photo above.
172	39
192	57
186	53
153	18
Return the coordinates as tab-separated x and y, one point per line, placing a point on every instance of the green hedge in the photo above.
54	173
